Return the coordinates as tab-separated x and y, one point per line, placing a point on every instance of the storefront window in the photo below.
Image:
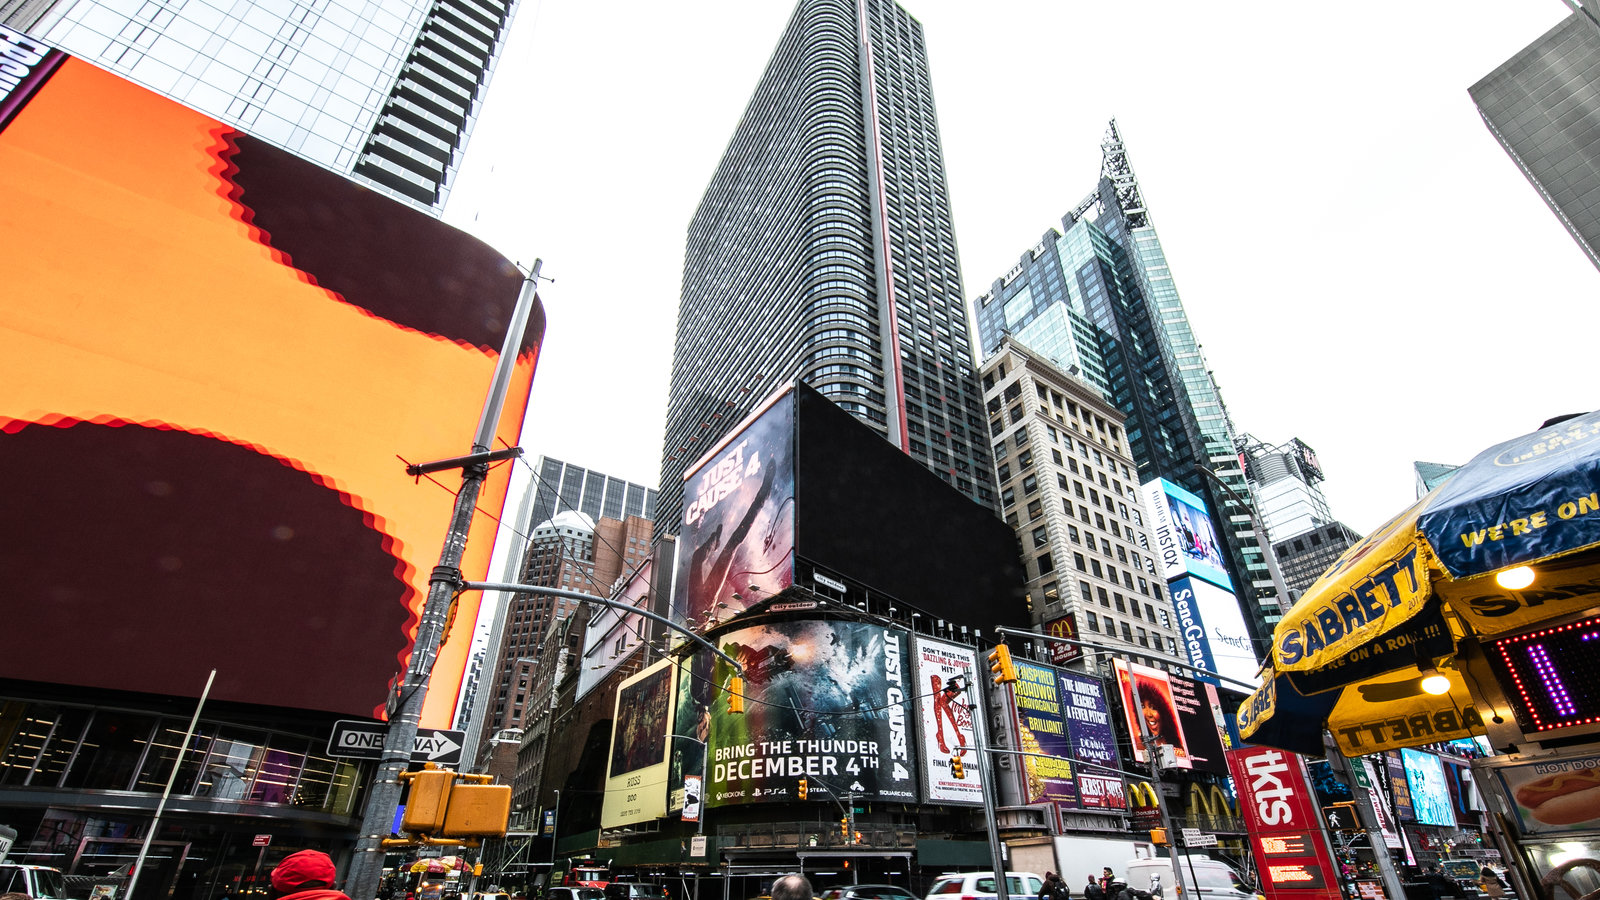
110	751
27	729
280	769
164	749
329	785
231	765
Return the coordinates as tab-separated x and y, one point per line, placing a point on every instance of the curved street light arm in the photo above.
603	601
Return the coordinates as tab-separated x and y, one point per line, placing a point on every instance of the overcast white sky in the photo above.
1364	266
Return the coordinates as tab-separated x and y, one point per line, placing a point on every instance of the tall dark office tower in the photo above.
823	248
385	92
1543	106
1098	300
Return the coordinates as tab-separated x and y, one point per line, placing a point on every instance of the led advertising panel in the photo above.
218	350
1088	718
636	780
1430	796
1154	707
1212	628
1200	718
1551	676
1042	729
827	701
1281	814
873	519
736	546
1186	541
944	674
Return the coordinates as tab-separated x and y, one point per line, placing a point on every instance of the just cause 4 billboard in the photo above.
831	702
217	350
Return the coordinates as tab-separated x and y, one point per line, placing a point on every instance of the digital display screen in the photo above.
1430	796
1296	875
1552	676
1285	845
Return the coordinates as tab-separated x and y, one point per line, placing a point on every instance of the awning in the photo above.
1351	654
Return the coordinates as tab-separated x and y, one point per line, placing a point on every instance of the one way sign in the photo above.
355	739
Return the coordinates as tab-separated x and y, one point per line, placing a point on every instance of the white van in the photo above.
38	882
1211	879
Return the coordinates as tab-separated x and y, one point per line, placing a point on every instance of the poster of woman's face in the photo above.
1149	709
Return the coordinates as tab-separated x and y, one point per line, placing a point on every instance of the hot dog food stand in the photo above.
1475	612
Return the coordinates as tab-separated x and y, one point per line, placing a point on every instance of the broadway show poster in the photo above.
1089	730
944	682
831	702
1155	707
636	786
1198	709
1042	729
736	546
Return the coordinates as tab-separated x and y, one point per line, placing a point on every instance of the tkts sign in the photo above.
1280	812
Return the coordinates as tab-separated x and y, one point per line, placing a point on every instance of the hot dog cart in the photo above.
1475	612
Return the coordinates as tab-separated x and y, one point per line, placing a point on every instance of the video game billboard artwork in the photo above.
736	545
831	702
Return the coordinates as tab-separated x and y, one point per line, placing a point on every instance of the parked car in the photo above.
574	893
977	885
634	890
38	882
873	892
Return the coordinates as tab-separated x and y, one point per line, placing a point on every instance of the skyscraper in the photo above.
1284	482
1098	300
823	248
386	92
1543	106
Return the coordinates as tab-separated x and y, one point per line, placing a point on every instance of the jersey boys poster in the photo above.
830	702
944	696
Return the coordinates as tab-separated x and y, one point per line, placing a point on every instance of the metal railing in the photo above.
816	835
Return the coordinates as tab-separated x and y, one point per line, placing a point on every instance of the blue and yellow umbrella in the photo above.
1365	651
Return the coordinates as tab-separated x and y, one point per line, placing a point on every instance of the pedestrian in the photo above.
1093	890
307	875
792	887
1489	881
1105	882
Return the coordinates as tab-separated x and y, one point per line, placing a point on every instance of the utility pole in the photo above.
980	735
383	796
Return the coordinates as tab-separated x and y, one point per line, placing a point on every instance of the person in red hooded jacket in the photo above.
307	875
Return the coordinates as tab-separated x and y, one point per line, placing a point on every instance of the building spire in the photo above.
1114	167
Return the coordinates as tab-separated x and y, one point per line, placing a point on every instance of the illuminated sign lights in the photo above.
1552	675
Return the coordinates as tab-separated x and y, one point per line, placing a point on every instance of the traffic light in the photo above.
736	694
1158	836
429	797
844	829
802	790
956	768
440	806
477	810
1000	664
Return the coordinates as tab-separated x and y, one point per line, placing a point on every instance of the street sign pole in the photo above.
383	796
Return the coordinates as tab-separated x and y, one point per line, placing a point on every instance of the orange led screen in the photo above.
213	358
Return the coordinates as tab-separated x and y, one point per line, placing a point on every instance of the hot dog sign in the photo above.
1554	794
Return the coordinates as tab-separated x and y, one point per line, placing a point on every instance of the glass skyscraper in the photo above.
385	91
1098	300
823	248
1543	106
